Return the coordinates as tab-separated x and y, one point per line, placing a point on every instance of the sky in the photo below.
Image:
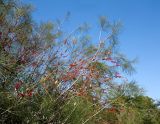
140	35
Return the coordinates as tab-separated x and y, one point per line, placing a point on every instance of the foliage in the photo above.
50	76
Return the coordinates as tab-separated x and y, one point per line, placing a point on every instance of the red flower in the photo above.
108	59
18	85
72	65
65	41
108	52
0	35
117	64
111	110
34	52
21	94
29	93
22	59
34	64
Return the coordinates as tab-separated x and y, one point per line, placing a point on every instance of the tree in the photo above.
50	76
132	107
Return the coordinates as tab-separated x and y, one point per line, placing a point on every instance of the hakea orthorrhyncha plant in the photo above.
46	61
79	76
76	64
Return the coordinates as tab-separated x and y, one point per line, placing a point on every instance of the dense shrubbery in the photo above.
50	76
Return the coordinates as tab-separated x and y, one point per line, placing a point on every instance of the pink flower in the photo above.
117	64
117	75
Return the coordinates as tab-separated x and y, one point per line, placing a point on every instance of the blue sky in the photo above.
140	36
